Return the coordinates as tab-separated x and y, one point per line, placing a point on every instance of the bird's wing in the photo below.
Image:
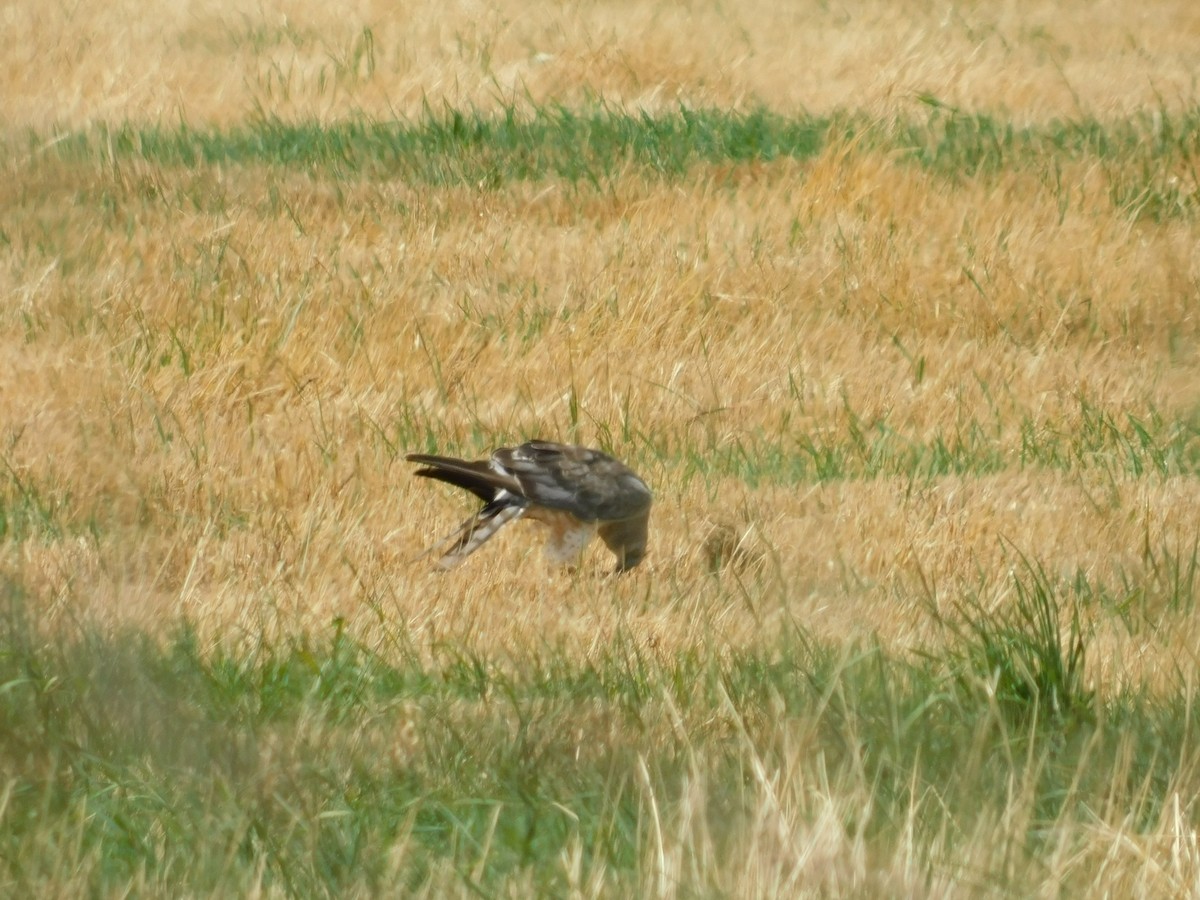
587	483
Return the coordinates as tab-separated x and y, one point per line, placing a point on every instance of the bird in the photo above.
577	491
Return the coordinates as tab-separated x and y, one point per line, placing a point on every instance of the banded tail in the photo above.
474	533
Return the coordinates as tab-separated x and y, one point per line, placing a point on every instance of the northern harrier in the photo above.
578	492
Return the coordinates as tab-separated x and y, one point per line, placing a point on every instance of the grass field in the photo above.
896	309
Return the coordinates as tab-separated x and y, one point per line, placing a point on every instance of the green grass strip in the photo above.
1144	155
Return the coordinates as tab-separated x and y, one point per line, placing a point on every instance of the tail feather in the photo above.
475	532
477	477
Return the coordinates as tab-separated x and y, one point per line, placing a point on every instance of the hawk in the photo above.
577	491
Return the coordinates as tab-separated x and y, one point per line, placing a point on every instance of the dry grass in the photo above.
223	397
87	62
214	372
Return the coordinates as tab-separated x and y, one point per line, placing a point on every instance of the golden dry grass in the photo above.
210	370
217	62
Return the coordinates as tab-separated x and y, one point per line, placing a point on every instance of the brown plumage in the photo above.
577	491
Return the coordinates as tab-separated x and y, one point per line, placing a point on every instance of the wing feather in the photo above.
590	484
